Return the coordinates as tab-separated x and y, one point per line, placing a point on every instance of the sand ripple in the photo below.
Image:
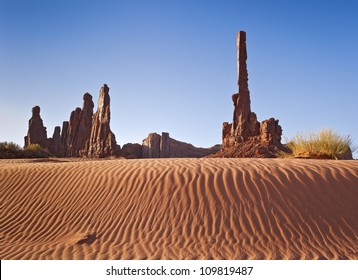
179	209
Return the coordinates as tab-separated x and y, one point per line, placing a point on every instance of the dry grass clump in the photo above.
36	151
325	144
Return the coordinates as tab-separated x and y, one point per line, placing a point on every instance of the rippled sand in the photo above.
179	209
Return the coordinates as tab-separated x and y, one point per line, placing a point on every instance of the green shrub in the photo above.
11	146
324	144
36	151
10	150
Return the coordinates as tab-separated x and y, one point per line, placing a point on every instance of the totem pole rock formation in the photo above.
36	133
245	136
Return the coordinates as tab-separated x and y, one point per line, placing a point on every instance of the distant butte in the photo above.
163	146
245	136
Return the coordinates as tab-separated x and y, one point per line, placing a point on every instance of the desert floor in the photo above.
179	209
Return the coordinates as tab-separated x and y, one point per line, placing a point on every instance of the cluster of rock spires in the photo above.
88	134
85	134
245	136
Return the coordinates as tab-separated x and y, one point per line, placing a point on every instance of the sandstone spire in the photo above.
64	134
245	134
245	123
242	76
85	134
54	143
36	132
102	142
76	132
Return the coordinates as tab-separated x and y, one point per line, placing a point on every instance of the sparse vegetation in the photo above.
12	150
36	151
9	146
325	144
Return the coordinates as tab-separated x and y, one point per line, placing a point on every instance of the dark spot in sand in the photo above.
88	239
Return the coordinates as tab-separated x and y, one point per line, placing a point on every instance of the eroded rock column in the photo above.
102	142
36	133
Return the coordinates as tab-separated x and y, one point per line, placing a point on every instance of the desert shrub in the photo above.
10	150
33	147
35	151
324	144
11	146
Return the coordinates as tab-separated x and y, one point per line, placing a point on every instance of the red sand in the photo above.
179	209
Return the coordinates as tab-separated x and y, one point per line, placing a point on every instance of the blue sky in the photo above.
171	65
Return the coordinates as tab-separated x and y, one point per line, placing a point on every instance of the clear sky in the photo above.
171	65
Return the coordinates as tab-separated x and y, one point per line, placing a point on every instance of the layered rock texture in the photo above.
162	146
85	134
245	136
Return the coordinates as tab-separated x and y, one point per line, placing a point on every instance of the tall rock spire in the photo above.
245	123
102	142
85	134
245	136
36	133
242	76
76	132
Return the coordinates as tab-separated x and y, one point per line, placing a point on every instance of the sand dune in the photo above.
179	209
